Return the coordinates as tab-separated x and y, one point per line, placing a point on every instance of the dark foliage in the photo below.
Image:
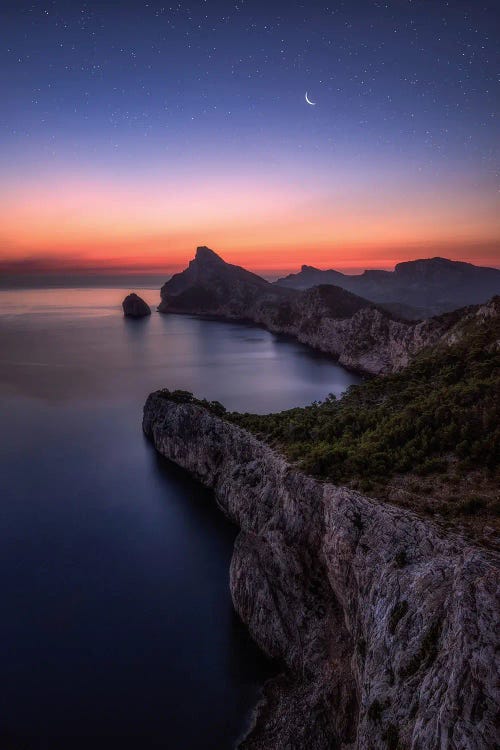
441	411
186	397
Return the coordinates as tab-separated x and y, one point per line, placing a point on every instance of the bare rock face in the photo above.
135	307
385	629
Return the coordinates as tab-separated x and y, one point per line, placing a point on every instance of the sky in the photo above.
131	132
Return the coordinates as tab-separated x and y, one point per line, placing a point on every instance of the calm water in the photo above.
116	625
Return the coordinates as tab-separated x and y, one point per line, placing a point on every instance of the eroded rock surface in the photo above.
385	630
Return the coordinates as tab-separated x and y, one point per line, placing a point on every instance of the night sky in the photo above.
133	131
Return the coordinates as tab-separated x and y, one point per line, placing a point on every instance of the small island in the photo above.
135	307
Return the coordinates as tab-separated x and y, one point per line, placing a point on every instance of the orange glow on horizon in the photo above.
263	260
154	227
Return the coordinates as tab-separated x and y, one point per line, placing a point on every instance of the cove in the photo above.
117	621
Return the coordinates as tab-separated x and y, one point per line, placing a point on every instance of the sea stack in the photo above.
135	307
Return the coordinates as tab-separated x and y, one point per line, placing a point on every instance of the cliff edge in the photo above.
384	628
358	333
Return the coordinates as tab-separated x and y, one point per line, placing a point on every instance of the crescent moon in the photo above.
313	104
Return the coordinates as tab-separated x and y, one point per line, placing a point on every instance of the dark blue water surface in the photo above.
116	627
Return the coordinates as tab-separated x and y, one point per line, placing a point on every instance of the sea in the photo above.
116	626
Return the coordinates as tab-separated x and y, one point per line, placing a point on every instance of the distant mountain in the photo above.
309	276
359	333
415	289
211	286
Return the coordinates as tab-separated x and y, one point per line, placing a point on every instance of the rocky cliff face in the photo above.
384	629
359	334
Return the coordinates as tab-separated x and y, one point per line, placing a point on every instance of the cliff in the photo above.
361	335
427	437
384	629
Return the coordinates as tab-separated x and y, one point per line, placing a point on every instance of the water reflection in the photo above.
76	356
117	622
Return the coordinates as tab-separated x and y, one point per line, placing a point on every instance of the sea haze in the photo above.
117	622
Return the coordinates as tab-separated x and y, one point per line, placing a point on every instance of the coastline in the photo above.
281	335
383	625
368	342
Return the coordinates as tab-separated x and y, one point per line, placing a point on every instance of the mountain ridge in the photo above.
360	334
422	287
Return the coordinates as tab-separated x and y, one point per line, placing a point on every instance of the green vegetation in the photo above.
427	438
438	419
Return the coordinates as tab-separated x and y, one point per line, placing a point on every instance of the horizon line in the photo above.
36	267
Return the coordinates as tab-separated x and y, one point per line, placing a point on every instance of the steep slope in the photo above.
211	286
427	437
421	287
382	621
384	630
360	334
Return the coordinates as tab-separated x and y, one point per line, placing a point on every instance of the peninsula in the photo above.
366	562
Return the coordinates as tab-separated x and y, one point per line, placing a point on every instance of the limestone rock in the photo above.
385	628
135	307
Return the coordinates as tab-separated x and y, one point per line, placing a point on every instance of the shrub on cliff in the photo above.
186	397
440	413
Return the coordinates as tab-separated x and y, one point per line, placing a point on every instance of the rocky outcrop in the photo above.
384	629
135	307
361	335
210	286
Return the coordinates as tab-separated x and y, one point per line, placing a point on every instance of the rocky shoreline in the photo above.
384	628
359	334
